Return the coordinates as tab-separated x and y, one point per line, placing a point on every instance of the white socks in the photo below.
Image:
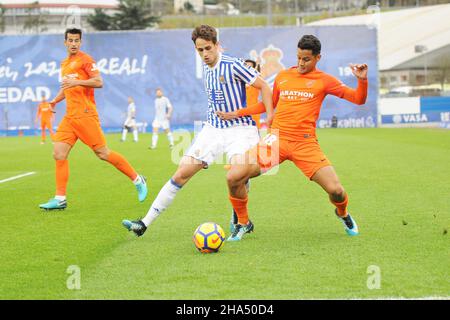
154	140
170	137
135	135
137	180
162	201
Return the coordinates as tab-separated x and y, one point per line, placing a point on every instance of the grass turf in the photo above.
398	185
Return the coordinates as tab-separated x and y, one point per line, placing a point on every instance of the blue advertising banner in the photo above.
134	64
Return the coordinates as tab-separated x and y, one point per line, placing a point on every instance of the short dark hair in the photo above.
72	31
255	65
253	62
205	32
310	42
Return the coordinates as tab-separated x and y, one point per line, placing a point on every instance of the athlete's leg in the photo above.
187	168
50	129
243	167
135	134
117	160
61	152
124	133
42	132
154	137
327	178
169	136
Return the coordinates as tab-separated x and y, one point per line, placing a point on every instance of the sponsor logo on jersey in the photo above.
296	95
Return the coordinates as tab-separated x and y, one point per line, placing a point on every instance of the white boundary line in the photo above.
17	177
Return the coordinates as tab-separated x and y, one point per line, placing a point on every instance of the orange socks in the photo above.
122	164
240	207
62	176
341	206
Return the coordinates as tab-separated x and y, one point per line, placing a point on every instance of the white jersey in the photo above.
131	112
131	115
225	87
161	106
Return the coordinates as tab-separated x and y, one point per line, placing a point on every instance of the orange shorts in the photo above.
305	154
46	123
86	129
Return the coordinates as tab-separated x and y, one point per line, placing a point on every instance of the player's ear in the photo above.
318	57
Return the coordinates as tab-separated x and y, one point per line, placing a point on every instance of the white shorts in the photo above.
130	123
212	142
161	124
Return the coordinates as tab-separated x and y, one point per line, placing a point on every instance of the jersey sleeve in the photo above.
90	67
243	72
337	88
169	105
275	93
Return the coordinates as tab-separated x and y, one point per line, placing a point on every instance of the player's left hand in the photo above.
69	83
359	70
227	115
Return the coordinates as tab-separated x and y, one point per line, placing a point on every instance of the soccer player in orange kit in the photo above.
298	94
252	93
80	77
45	113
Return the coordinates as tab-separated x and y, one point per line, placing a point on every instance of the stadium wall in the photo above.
136	63
415	112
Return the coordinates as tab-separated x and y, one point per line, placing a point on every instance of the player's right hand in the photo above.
227	115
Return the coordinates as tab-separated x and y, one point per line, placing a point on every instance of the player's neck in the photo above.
309	73
216	62
73	55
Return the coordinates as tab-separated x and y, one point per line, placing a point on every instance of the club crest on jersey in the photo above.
222	79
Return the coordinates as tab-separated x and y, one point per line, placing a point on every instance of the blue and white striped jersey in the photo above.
225	88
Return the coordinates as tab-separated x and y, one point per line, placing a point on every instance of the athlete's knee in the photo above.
59	155
336	190
102	154
237	176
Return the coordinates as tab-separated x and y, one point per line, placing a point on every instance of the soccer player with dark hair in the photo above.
224	78
298	94
80	77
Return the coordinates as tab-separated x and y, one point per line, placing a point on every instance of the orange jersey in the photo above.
298	99
45	111
252	95
80	100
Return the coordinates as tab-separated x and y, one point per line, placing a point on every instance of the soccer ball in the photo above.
208	237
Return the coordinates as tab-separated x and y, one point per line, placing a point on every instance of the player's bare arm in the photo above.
94	82
59	97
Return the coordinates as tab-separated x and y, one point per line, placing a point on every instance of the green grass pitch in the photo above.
398	181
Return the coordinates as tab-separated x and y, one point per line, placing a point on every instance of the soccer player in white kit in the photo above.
224	79
163	112
130	122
